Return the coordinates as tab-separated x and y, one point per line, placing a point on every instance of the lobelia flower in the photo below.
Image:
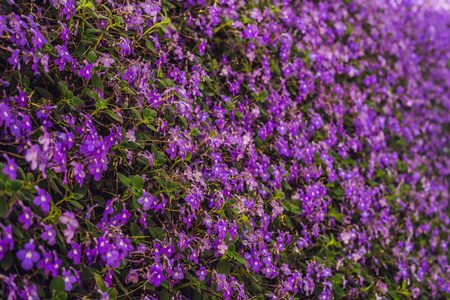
11	167
42	199
28	255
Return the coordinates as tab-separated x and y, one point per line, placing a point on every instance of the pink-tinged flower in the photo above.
11	167
106	60
43	200
71	223
28	255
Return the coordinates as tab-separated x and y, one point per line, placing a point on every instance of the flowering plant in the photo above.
201	149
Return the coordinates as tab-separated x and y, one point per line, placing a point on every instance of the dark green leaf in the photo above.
57	285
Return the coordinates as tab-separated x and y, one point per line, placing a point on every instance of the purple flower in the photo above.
38	38
49	235
156	275
201	273
26	218
68	278
146	200
71	223
75	253
11	167
42	200
46	263
65	33
124	45
78	172
202	48
14	60
86	71
29	292
172	151
28	255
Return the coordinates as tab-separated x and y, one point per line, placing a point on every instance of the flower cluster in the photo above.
271	149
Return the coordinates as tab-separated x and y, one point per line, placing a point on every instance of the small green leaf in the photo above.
100	282
125	180
135	230
113	115
263	94
57	285
6	261
44	93
138	182
224	267
92	57
164	295
3	207
62	87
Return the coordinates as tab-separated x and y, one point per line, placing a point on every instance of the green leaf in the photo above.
136	114
62	87
183	120
100	282
263	94
57	285
76	204
224	267
6	261
135	230
113	115
149	45
138	182
44	93
61	296
164	295
97	82
112	294
239	258
92	57
195	132
125	180
3	207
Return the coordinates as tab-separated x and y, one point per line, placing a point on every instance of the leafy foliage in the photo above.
224	149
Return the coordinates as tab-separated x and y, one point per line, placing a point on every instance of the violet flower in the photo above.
28	255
